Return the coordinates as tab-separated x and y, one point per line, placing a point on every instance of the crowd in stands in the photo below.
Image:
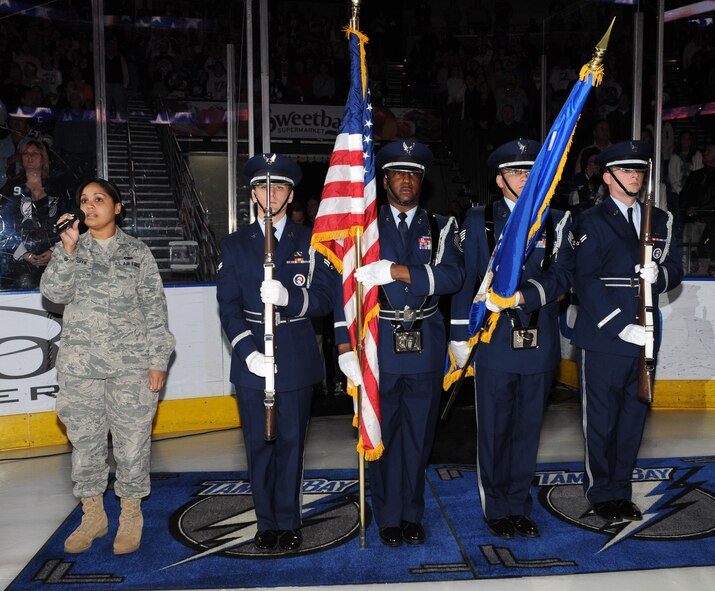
465	59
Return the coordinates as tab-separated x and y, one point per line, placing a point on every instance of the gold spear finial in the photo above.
355	14
597	59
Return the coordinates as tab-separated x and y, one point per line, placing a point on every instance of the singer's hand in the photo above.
70	236
157	379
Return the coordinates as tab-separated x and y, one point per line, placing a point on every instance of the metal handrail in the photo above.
132	180
192	210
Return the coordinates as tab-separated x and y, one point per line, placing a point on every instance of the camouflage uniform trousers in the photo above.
89	409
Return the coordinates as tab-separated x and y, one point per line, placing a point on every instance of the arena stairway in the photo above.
156	211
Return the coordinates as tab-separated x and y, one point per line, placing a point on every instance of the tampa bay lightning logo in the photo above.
674	505
221	519
30	354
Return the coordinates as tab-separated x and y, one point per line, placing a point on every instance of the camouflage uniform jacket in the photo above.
115	318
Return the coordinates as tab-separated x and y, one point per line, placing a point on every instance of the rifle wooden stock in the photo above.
646	316
269	322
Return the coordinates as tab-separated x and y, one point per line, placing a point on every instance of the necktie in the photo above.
275	235
402	227
632	224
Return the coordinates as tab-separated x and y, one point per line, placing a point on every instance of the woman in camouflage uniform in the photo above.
112	360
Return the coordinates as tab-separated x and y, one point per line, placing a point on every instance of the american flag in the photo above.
348	207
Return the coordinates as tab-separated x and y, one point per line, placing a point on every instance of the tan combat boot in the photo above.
93	526
131	523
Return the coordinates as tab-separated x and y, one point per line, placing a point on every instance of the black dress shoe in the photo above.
628	510
525	526
266	539
290	539
607	510
391	536
413	533
501	528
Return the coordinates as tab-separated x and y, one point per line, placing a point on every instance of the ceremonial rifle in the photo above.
269	321
646	368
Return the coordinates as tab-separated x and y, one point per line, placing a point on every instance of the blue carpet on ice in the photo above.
199	530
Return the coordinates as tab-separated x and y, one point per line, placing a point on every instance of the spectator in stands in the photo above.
298	214
39	122
77	84
50	77
311	207
683	161
507	129
300	84
485	107
324	85
587	188
601	140
117	81
620	120
217	82
36	205
512	94
697	201
75	140
29	75
562	74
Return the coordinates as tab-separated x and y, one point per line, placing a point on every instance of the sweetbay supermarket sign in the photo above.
307	122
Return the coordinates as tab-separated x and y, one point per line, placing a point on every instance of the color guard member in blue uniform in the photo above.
512	380
304	286
420	260
606	330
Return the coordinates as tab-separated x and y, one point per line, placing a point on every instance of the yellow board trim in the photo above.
668	394
172	416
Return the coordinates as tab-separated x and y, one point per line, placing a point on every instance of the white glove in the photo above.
350	366
377	273
460	351
633	333
649	272
494	307
256	363
273	292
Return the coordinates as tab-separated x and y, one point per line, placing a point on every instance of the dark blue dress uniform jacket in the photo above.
238	291
606	284
444	277
275	468
607	254
540	290
410	383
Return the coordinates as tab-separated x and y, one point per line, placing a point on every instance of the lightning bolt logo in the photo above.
657	501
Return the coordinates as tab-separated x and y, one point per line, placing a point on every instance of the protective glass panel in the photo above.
47	128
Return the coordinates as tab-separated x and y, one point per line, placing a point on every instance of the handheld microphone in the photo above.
76	214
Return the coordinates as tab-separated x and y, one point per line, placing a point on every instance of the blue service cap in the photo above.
404	155
631	154
519	153
281	168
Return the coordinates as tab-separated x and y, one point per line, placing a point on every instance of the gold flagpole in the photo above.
355	24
